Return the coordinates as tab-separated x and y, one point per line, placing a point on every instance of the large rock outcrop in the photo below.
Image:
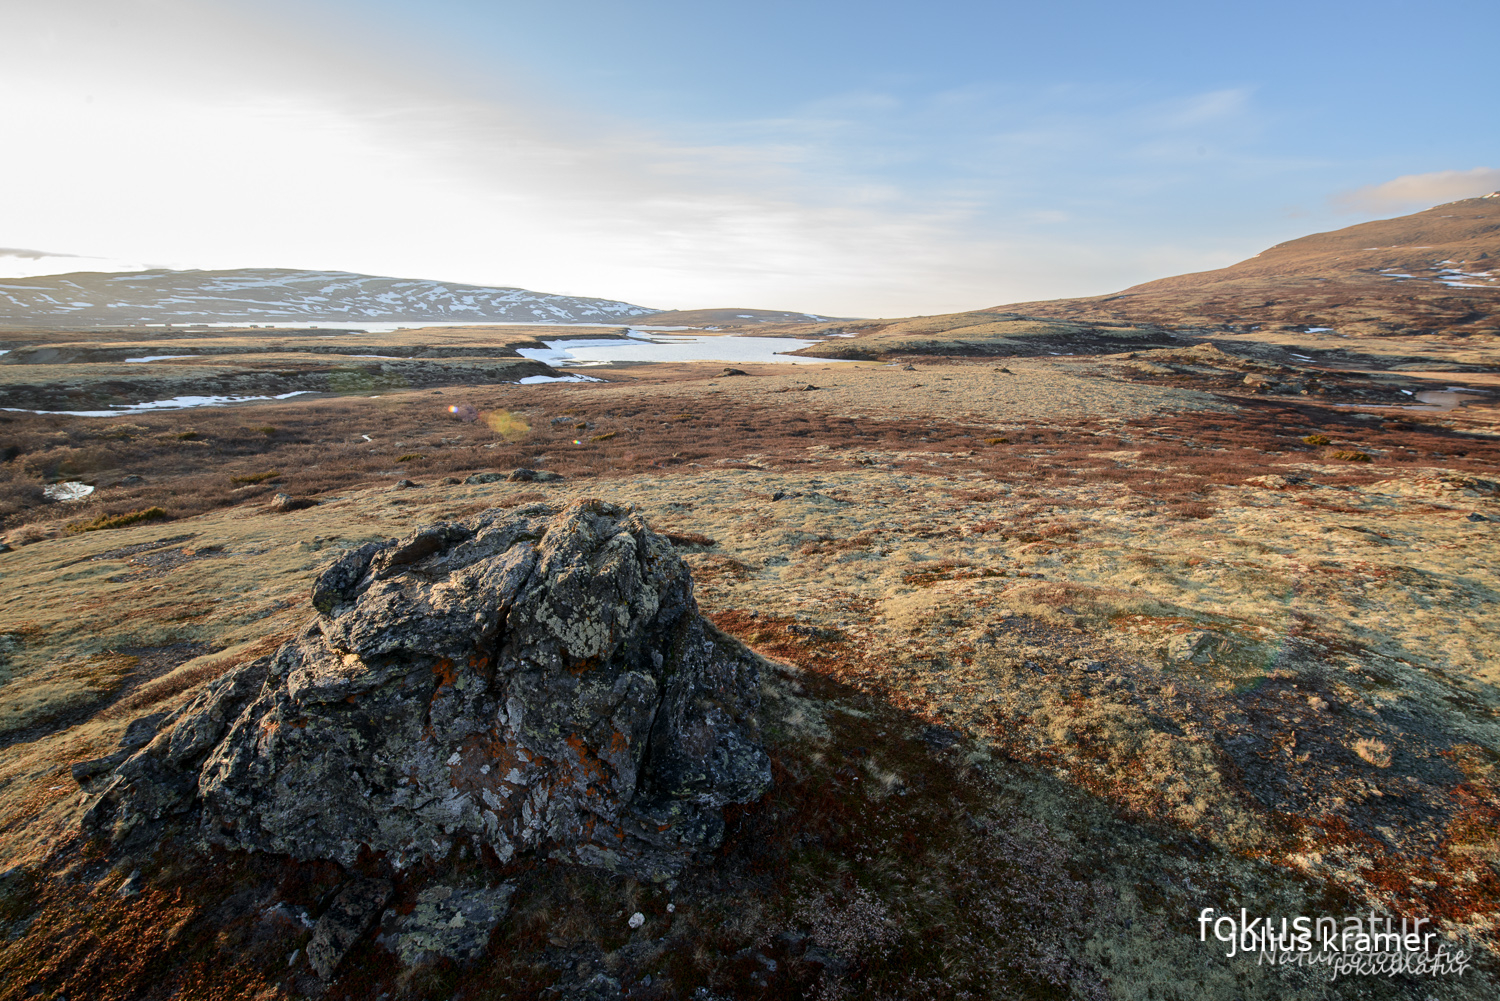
537	679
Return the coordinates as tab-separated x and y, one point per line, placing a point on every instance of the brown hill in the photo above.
1437	270
727	317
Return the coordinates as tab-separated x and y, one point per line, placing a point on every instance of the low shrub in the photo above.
1191	509
117	520
1351	456
1316	439
255	477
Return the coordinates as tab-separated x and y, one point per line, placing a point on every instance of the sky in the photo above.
848	158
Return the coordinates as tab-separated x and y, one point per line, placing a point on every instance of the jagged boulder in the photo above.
537	679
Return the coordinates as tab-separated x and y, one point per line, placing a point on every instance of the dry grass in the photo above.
949	769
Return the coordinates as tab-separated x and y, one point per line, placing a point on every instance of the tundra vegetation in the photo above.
1057	646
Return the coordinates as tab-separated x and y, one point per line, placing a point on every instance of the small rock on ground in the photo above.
447	923
351	914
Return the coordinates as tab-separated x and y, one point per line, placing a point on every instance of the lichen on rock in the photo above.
529	680
447	922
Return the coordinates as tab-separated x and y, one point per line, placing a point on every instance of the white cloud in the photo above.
193	133
1211	108
1420	190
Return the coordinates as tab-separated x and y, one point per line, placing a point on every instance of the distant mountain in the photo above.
731	317
270	295
274	295
1437	270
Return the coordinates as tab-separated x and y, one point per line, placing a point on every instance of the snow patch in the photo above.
176	403
533	380
68	490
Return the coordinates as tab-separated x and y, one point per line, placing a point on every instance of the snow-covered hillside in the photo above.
269	295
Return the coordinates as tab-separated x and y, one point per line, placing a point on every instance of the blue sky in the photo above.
848	158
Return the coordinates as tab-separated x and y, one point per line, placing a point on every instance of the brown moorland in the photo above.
1058	651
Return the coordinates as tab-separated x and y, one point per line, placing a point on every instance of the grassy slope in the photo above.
1330	280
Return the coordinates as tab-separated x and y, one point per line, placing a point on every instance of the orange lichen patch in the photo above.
484	762
586	664
444	672
587	761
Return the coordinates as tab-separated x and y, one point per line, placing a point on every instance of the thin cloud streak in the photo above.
1420	190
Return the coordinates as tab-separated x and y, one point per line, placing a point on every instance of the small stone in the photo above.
599	987
448	923
139	731
831	962
939	738
351	914
1185	646
637	919
404	485
533	476
1476	516
479	479
131	887
285	502
732	371
132	481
